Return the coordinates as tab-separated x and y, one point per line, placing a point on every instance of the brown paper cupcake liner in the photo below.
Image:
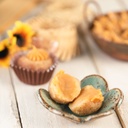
30	76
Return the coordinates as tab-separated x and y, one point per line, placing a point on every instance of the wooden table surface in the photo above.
19	104
11	10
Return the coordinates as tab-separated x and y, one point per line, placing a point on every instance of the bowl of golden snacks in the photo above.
110	32
80	101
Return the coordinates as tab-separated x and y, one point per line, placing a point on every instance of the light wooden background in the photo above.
19	104
12	10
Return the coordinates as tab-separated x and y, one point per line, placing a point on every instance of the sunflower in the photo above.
21	36
5	55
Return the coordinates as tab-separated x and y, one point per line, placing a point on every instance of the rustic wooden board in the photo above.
9	117
34	115
12	10
20	107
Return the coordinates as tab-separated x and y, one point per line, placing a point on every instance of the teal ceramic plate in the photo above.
112	99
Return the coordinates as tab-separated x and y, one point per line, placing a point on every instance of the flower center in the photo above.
20	40
4	53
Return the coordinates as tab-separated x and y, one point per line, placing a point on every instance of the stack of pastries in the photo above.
59	22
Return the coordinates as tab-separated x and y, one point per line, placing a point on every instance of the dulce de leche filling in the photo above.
37	55
89	94
92	94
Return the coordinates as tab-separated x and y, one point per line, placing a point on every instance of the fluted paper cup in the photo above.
32	77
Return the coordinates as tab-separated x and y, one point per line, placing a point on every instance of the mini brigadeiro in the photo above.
34	66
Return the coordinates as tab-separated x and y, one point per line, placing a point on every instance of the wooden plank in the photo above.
9	117
124	4
34	115
115	71
10	11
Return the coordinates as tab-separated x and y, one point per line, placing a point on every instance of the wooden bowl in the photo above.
113	49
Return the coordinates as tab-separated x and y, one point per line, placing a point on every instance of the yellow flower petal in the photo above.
13	41
18	23
23	36
4	60
2	47
9	32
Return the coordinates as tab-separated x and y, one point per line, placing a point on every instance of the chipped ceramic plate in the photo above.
112	99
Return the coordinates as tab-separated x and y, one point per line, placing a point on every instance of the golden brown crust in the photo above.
35	59
64	88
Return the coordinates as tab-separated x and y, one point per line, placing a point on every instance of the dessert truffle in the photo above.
34	66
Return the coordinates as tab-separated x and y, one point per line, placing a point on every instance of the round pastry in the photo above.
34	66
88	102
35	59
64	88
